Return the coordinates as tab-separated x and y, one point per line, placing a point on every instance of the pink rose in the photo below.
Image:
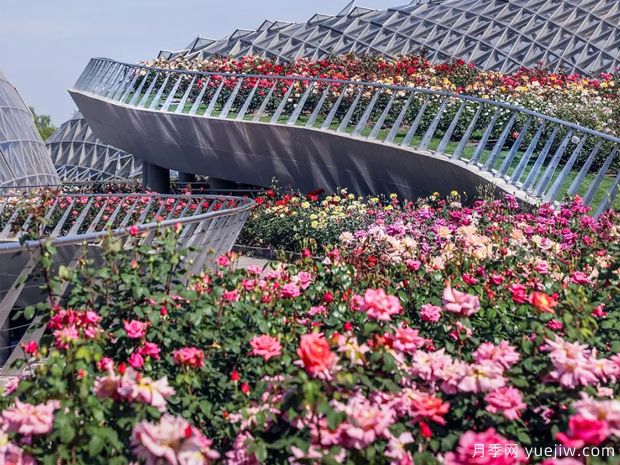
28	419
506	401
266	347
189	356
485	448
289	291
482	377
173	441
135	329
149	349
136	360
379	306
459	302
407	340
584	431
431	313
105	364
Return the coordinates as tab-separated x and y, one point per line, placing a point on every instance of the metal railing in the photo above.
76	224
543	157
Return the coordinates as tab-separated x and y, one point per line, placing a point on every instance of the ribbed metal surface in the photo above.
80	156
574	35
24	160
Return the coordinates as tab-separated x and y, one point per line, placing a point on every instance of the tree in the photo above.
43	124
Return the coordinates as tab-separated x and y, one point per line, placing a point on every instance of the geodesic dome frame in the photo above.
24	159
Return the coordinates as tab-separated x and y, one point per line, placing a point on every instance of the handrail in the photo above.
205	235
422	90
543	157
246	205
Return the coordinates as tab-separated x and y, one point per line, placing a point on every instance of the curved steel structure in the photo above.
575	35
80	156
328	133
24	160
76	225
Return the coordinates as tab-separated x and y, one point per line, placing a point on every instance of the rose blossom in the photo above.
29	419
136	360
266	347
149	349
135	329
304	279
431	313
396	449
107	386
482	377
189	356
506	401
543	302
407	340
468	451
605	410
315	354
459	302
429	407
11	454
584	432
289	291
9	385
503	354
174	440
135	387
366	422
380	306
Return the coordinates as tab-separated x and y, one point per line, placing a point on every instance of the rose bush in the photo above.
590	101
423	333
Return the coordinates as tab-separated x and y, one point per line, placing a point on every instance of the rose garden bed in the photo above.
425	334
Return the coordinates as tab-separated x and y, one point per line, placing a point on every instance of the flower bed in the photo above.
589	101
418	340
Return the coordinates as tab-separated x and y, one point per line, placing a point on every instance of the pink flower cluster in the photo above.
133	387
576	365
28	419
461	303
189	356
486	374
68	326
172	441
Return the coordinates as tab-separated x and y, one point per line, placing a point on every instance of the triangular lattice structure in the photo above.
574	35
80	156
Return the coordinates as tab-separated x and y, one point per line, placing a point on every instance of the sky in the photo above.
45	44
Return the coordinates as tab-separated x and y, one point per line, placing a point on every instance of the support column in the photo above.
145	174
157	178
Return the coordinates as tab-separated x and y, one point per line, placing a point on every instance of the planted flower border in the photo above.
418	339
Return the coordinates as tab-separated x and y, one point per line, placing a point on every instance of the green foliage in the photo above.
43	123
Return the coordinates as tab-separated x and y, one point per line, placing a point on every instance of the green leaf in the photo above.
95	445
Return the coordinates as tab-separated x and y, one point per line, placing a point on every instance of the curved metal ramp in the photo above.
327	133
